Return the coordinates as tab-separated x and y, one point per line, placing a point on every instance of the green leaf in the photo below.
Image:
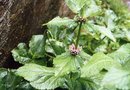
55	47
96	64
24	85
58	27
67	63
81	84
9	81
60	22
48	82
37	46
91	9
105	31
20	54
84	56
87	84
118	78
110	18
75	5
122	55
101	48
102	29
126	66
116	4
35	70
40	77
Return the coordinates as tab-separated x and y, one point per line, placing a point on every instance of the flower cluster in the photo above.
73	50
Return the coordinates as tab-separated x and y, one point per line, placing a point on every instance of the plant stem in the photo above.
49	56
77	41
75	27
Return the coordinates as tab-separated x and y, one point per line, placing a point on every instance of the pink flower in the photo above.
73	50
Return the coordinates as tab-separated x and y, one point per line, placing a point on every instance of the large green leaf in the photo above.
118	78
105	31
126	66
58	27
55	47
75	5
86	84
37	46
9	81
84	56
122	55
40	77
67	63
60	22
101	29
96	64
35	70
110	18
91	9
48	82
20	54
81	84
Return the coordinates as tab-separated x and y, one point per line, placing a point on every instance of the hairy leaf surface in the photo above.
75	5
97	63
41	77
37	46
67	63
122	55
118	78
20	54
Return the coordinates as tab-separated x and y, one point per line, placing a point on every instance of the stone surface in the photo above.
20	19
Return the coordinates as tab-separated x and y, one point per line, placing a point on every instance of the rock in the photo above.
20	19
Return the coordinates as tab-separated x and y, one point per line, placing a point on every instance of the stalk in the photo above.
79	31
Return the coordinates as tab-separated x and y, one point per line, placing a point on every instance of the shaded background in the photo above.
20	19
